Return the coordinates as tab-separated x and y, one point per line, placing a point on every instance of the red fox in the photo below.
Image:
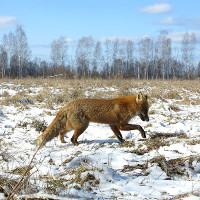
77	114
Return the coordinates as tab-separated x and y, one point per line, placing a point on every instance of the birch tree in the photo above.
108	58
188	47
9	44
22	51
130	58
3	61
84	56
146	54
164	52
59	54
98	59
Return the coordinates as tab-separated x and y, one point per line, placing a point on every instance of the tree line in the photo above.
111	58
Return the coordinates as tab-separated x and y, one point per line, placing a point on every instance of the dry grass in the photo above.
68	90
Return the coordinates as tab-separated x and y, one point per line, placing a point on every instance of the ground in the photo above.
166	165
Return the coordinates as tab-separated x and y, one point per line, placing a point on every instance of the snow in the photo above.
100	167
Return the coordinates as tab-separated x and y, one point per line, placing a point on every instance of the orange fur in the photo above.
77	114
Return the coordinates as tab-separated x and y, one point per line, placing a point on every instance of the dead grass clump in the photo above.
4	94
154	144
172	94
160	139
155	94
128	168
40	97
71	158
127	144
169	168
6	185
18	99
140	150
83	177
90	179
60	99
53	185
122	91
75	94
176	166
39	126
175	108
166	135
187	100
22	124
193	142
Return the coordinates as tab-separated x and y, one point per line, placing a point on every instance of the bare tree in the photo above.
168	57
44	68
146	54
130	58
155	70
97	60
164	50
59	54
84	56
98	57
115	52
176	69
9	46
193	42
188	47
122	57
108	58
3	61
185	52
22	51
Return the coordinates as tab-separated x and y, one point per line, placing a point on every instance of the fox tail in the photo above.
53	130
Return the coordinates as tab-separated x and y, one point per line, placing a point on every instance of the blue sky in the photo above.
46	20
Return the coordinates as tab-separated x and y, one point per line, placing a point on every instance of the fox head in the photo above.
143	111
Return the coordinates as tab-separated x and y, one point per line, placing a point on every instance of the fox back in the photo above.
111	111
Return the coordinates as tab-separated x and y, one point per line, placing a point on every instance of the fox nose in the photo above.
147	118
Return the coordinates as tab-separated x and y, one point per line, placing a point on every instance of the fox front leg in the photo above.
129	127
117	133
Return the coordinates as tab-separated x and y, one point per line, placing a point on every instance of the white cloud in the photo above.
157	8
168	21
178	36
187	22
68	40
7	21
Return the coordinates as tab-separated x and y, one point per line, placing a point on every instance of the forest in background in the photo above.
110	58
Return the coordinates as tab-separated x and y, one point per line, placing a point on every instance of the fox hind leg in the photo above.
77	133
62	134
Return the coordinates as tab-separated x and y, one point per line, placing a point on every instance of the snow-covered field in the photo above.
166	165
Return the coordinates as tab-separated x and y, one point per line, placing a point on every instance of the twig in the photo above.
19	184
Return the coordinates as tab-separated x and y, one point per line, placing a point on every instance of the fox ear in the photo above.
139	98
